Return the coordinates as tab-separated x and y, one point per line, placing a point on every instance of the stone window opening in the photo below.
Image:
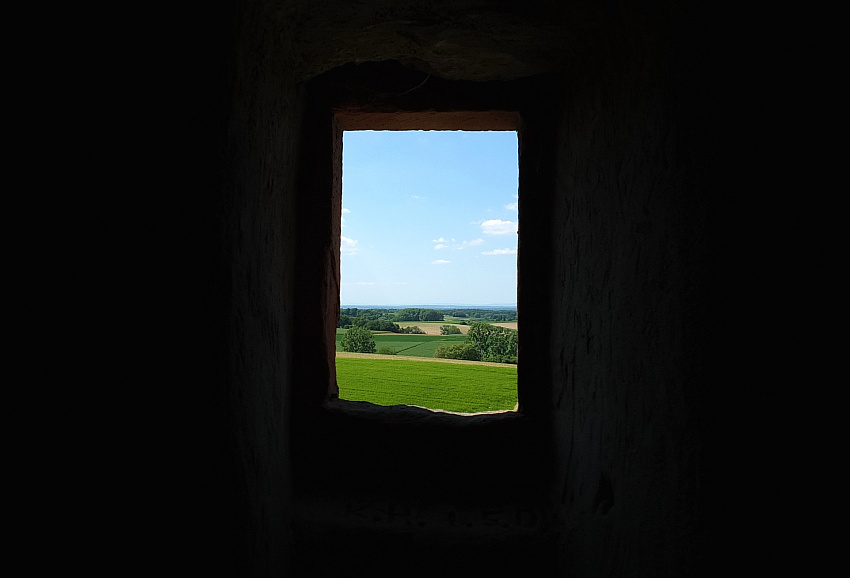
334	107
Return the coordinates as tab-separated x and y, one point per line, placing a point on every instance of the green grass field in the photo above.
409	345
456	387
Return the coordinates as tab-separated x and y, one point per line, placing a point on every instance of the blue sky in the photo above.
429	218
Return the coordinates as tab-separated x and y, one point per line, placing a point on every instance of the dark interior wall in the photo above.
629	302
258	227
627	291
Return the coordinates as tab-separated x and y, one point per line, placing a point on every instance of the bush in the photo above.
458	351
358	340
382	325
449	330
501	359
386	351
413	329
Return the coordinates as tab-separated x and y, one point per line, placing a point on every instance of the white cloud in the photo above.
440	240
344	210
440	262
501	252
347	246
443	244
512	206
498	227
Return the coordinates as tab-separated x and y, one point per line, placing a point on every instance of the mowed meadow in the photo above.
412	376
465	387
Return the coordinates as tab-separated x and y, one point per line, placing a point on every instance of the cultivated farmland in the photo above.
411	345
458	387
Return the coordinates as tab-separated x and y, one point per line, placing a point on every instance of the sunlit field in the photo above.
458	387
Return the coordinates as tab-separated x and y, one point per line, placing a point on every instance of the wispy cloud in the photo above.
347	246
360	283
440	262
501	252
498	227
455	246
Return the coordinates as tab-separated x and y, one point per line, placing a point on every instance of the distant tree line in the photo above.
415	314
423	314
346	322
492	315
370	324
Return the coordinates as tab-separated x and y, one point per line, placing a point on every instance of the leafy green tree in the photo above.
449	330
492	342
358	340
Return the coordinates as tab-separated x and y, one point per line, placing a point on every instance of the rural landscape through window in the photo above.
428	261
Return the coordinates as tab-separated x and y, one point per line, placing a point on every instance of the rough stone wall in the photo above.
258	226
628	306
453	39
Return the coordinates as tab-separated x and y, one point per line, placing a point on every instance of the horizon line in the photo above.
432	305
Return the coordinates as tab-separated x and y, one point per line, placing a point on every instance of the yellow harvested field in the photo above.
431	327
